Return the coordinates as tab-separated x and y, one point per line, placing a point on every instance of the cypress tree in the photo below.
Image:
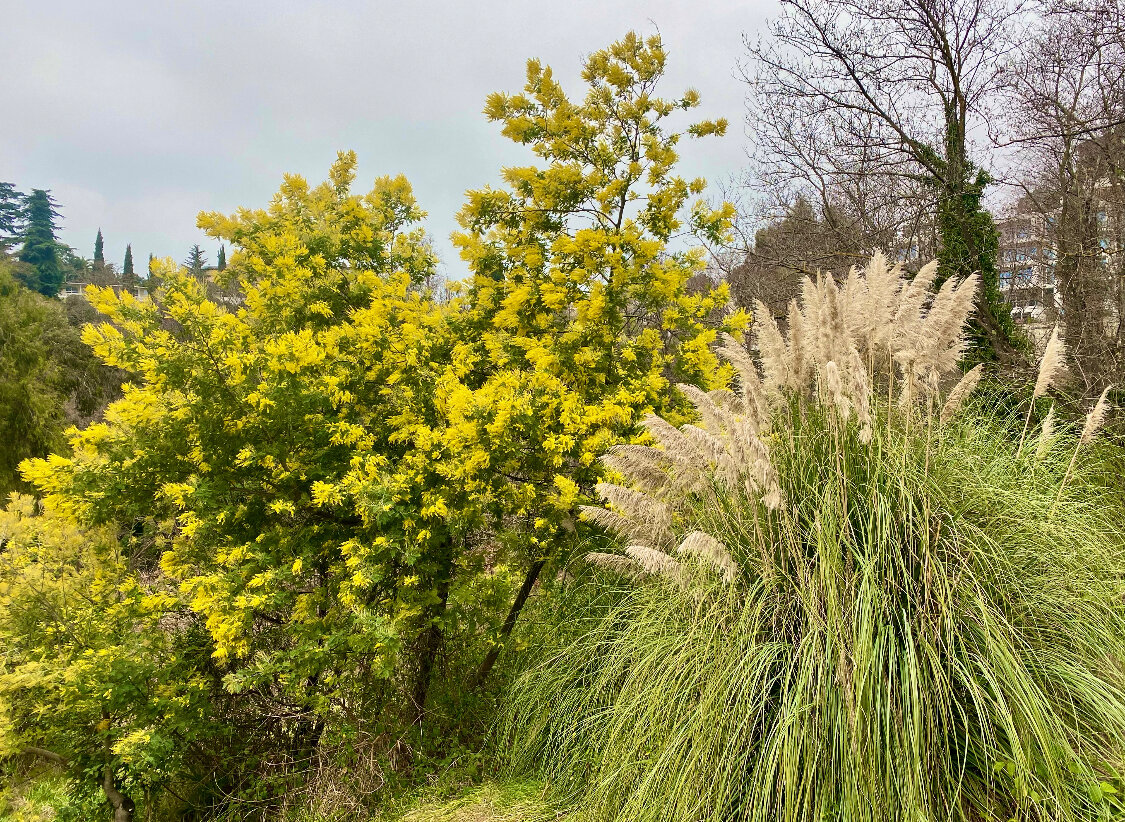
99	249
41	247
128	276
222	263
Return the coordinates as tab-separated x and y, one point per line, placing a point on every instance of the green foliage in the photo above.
195	261
970	244
11	214
48	377
95	664
99	248
32	420
40	249
34	795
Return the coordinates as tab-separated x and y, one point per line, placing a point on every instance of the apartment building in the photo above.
1026	265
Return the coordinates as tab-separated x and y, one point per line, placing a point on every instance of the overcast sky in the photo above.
138	115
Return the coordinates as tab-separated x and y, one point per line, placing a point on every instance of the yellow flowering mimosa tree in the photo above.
581	317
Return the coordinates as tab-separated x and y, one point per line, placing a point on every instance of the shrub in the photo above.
849	598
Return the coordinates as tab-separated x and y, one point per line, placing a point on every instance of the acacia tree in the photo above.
846	87
98	673
324	464
578	303
280	453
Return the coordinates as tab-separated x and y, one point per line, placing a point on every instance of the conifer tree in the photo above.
222	264
128	275
41	248
196	261
99	248
11	213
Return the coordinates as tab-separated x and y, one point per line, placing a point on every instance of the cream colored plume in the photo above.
1052	366
752	397
645	467
706	547
883	283
704	405
626	566
634	515
961	391
655	562
861	396
772	350
1096	418
797	348
1046	434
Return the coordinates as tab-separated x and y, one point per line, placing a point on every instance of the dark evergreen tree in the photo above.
40	246
196	261
128	275
99	249
11	214
222	264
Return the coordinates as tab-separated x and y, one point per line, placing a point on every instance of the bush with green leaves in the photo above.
849	594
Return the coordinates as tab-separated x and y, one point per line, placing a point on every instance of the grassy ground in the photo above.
32	798
492	802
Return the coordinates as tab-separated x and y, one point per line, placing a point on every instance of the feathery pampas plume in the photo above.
960	393
1094	421
1096	418
1052	366
1046	433
706	547
641	509
655	562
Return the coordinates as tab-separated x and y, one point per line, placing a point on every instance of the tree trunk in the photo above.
969	244
430	642
122	805
509	622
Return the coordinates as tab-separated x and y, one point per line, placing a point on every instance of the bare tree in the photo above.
871	101
1067	122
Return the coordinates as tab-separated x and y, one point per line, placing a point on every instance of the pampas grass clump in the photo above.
845	595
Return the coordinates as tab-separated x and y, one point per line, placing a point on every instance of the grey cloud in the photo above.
140	114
